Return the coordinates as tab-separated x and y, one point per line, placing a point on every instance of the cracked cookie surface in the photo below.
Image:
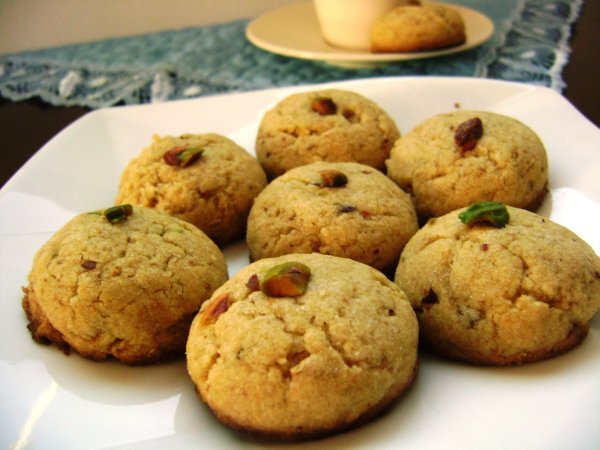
127	290
299	367
296	132
500	296
507	164
368	219
215	192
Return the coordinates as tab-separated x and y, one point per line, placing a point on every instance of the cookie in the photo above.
498	296
342	209
454	159
324	125
331	344
414	28
205	179
127	289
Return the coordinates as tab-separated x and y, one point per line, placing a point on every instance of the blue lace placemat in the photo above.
530	44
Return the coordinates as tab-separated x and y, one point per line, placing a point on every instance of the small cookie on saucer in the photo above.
303	346
454	159
341	209
324	125
123	283
500	295
205	179
414	28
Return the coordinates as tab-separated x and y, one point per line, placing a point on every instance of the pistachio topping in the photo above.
492	213
119	213
88	264
182	156
189	155
253	284
218	306
468	133
323	106
288	279
171	155
333	178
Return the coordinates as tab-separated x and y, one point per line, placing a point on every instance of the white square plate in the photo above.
51	401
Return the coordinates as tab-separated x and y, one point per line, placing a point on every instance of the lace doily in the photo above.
530	44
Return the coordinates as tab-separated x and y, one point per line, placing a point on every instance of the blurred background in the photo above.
33	24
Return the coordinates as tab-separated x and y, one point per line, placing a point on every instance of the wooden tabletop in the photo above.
26	126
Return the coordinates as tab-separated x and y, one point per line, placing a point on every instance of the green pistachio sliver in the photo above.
119	213
181	156
189	155
492	213
288	279
171	156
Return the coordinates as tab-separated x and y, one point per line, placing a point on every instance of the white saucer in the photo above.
294	31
